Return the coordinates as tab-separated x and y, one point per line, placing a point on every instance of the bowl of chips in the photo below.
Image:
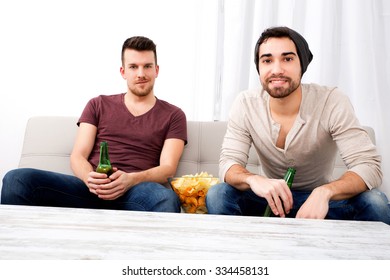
192	190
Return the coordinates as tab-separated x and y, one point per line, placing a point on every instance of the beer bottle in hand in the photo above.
289	178
104	162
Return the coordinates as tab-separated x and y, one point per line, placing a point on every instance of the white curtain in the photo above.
56	55
349	40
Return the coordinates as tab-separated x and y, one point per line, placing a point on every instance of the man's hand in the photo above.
120	182
95	180
276	192
316	206
109	188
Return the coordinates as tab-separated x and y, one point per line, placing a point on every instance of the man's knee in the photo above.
222	199
374	198
170	201
159	198
216	193
12	184
375	206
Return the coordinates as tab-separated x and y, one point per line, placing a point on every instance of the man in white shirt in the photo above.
301	126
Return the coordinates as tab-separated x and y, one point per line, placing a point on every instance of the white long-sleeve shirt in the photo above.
326	123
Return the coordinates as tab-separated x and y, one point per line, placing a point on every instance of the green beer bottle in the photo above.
104	162
289	178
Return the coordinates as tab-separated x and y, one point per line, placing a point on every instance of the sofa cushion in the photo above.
204	147
48	142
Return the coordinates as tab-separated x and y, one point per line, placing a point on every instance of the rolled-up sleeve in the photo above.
237	141
356	148
361	157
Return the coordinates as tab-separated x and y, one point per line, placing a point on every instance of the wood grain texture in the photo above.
65	233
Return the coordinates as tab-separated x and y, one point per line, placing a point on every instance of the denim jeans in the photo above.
371	205
26	186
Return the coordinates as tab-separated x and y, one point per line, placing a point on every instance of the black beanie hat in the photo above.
304	53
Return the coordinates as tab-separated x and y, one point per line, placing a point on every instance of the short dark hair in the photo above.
139	43
304	53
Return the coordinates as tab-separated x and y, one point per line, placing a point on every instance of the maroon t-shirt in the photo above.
134	143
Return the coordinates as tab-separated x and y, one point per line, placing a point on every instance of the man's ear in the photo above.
122	70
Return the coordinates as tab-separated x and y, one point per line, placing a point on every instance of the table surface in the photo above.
45	233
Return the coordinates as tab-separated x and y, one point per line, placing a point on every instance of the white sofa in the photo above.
48	142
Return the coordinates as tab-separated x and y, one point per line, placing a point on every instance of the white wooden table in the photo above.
45	233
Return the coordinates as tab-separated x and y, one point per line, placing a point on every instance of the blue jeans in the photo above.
370	205
26	186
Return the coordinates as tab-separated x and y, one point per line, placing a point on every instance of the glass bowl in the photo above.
192	191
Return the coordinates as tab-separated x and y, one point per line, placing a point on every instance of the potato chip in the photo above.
192	191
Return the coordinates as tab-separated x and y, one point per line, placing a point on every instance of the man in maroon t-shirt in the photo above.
146	137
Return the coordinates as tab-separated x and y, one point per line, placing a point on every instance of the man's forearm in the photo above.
80	168
349	185
237	176
158	174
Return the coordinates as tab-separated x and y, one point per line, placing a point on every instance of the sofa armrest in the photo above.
48	142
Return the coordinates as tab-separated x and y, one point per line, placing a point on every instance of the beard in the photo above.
141	91
280	92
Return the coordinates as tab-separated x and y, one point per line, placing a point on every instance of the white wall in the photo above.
56	55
